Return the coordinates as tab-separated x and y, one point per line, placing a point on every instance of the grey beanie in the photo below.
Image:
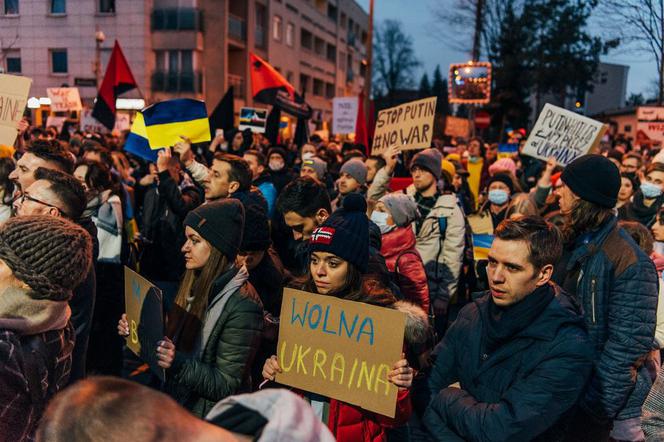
429	159
357	169
317	165
402	208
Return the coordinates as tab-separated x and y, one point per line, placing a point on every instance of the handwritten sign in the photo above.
143	303
14	92
253	119
408	126
650	124
457	127
64	99
344	115
90	123
563	134
340	349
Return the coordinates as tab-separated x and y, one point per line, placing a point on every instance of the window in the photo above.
329	90
603	77
260	34
342	21
58	6
59	61
304	83
319	46
318	87
276	28
290	34
331	53
11	7
306	39
332	12
107	6
175	72
13	61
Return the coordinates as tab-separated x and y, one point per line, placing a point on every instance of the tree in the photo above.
394	59
425	87
639	24
635	100
439	89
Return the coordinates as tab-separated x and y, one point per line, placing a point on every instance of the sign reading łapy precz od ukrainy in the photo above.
408	126
563	134
14	92
340	349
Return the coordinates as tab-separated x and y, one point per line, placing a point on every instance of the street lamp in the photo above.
99	39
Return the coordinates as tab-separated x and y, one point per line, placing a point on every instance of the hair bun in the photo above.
354	202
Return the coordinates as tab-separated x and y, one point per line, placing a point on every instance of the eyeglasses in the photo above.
20	199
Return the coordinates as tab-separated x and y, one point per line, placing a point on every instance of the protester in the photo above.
627	189
501	189
352	179
616	286
314	168
519	352
279	170
7	165
653	411
339	256
261	178
214	327
649	198
439	232
478	167
47	154
36	336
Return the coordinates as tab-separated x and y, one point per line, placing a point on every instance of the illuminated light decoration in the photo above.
472	83
33	103
44	101
129	103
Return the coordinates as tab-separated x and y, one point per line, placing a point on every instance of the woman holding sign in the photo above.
339	255
215	326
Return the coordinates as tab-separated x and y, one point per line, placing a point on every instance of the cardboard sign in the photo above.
344	114
340	349
14	92
650	124
563	134
253	119
457	127
143	302
64	99
409	126
90	123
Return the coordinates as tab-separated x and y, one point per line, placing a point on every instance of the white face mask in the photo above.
380	219
308	155
276	165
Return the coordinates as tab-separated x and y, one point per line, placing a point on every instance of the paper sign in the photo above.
58	122
340	349
90	123
344	115
143	302
64	99
563	134
457	127
253	119
409	126
14	92
650	124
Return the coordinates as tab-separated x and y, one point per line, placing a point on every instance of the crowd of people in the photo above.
556	335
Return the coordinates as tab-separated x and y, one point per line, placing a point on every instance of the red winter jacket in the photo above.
349	423
399	244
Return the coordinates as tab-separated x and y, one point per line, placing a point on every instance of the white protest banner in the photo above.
408	126
344	114
64	99
563	134
253	119
90	123
650	124
14	92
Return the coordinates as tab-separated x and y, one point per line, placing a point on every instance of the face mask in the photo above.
308	155
498	197
276	165
380	219
650	190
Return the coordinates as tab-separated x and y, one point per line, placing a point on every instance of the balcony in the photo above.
237	28
238	85
260	37
176	82
177	19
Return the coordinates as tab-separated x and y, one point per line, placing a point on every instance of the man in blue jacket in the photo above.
519	352
616	285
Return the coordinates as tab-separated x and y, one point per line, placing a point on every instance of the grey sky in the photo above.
418	22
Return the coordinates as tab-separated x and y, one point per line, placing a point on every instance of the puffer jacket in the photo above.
442	253
402	258
229	338
616	285
521	390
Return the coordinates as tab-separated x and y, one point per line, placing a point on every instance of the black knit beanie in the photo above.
256	236
429	159
50	254
220	223
504	178
345	233
593	178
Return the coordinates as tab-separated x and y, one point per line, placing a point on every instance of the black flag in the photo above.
222	117
272	125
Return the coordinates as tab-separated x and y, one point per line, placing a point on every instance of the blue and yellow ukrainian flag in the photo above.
137	140
166	121
481	246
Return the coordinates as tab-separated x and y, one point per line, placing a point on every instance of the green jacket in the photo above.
230	335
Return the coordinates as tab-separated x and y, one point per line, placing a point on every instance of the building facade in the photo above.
188	48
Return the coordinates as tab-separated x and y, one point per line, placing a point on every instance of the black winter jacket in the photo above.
518	392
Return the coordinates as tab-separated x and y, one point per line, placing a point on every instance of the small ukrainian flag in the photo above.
137	140
481	246
167	121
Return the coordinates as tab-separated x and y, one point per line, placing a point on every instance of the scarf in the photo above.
503	323
644	214
28	316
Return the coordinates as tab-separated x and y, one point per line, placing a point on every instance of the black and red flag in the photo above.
222	115
117	80
266	81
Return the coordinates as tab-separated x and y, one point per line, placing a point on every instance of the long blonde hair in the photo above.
186	317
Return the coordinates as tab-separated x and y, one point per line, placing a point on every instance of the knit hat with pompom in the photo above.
50	254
